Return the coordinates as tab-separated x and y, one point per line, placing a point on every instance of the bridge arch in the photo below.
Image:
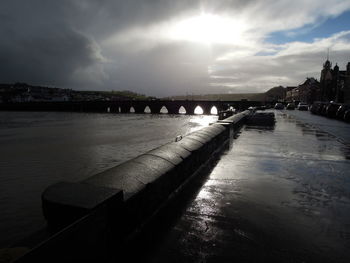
198	110
147	109
132	109
164	110
182	110
214	110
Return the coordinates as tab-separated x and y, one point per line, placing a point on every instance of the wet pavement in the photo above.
338	128
277	195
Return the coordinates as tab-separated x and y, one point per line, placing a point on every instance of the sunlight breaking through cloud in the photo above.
209	28
170	47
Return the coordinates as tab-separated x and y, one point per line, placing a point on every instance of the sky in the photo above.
168	47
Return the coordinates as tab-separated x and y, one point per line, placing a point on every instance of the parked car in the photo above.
303	106
323	109
347	116
290	106
332	109
341	111
279	106
314	108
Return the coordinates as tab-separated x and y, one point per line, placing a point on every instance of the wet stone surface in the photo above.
278	195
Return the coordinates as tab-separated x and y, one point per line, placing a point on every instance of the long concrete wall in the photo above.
93	217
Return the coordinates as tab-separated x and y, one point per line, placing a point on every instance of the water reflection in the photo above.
201	121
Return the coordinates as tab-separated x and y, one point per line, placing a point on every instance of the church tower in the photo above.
326	81
347	84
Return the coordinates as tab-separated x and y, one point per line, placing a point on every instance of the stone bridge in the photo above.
173	107
138	106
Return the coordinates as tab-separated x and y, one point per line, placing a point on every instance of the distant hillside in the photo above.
275	93
124	94
23	92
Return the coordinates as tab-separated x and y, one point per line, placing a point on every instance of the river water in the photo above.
38	149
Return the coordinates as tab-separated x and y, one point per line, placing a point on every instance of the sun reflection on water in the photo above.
201	121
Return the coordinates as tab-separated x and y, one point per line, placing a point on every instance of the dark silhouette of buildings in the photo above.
306	92
347	84
22	92
334	83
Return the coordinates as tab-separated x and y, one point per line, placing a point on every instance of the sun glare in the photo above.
208	28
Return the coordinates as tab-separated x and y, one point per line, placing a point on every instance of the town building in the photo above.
289	93
346	91
334	83
306	92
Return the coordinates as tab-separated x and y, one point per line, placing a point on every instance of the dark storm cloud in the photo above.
105	17
38	45
45	59
167	70
46	42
